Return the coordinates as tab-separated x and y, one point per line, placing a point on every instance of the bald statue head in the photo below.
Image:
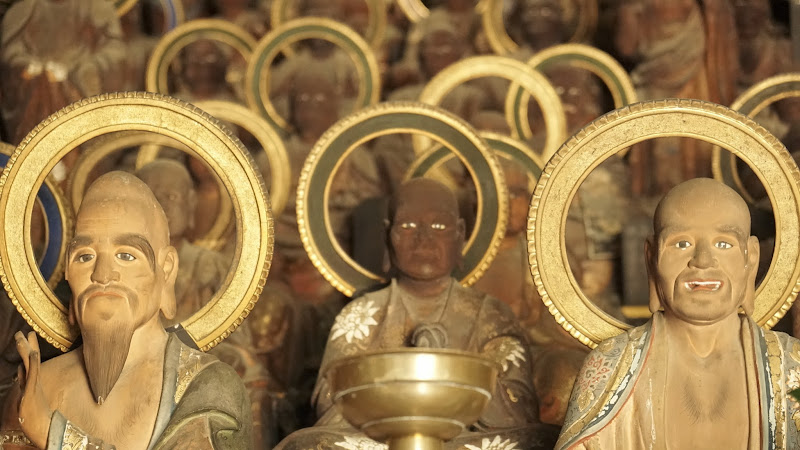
426	234
121	269
701	258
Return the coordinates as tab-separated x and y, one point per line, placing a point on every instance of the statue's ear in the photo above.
752	257
170	273
651	257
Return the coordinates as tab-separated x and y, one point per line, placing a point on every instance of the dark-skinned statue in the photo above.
424	306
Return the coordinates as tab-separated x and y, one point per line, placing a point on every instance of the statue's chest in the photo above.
126	419
703	402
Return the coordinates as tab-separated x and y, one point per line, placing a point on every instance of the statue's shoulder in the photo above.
199	371
374	298
16	17
612	358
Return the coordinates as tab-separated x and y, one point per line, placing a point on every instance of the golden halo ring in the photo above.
41	150
376	30
503	146
173	11
390	118
57	222
750	103
173	42
414	10
271	142
150	144
619	129
504	67
257	76
580	56
93	155
502	44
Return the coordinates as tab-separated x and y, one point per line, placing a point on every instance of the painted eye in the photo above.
683	245
723	245
126	257
438	226
86	257
408	225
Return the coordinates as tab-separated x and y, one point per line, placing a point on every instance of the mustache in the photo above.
117	290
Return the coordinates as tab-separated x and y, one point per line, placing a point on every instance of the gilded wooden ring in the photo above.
390	118
500	66
173	42
414	10
619	129
95	153
750	103
280	12
41	150
271	142
503	146
173	11
57	221
150	145
502	44
580	56
258	69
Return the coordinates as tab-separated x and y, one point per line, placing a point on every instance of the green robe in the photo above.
203	405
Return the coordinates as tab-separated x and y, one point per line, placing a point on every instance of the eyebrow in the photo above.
78	241
139	242
731	229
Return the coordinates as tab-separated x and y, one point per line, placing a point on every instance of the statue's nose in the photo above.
703	257
104	270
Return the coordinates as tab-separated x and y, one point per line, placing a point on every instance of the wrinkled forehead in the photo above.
101	218
704	218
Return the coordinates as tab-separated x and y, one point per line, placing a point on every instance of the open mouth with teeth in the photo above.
703	285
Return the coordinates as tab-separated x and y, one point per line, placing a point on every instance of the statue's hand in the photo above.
34	409
33	69
56	72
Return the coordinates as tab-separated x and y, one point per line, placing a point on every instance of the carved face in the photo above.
426	233
752	17
173	187
703	259
111	265
541	22
438	50
314	104
204	64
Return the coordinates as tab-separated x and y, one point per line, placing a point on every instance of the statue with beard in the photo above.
130	384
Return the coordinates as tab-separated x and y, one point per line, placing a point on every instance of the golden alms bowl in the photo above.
395	394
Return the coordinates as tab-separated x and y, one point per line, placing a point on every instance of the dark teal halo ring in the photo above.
503	146
393	118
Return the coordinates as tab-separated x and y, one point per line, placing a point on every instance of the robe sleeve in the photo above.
208	417
514	401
